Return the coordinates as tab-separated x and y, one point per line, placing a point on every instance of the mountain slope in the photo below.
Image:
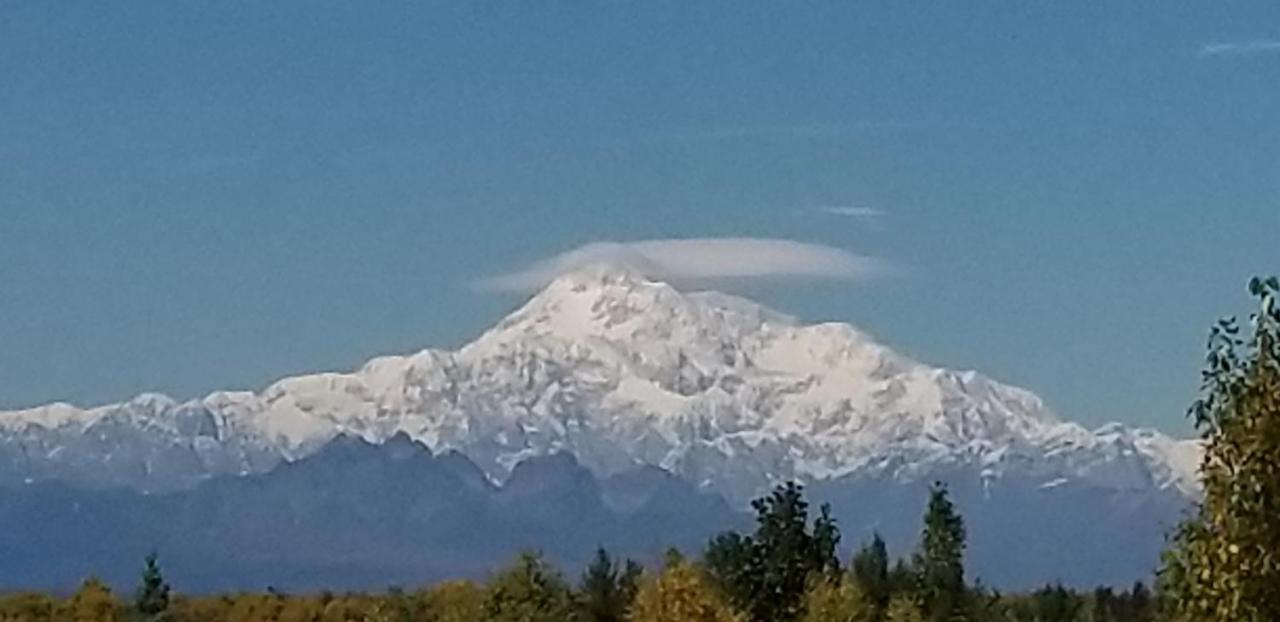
621	372
352	515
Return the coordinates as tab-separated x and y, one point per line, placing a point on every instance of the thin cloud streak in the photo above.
850	211
817	131
698	260
1248	48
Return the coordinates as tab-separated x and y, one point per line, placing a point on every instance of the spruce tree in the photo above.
940	561
766	574
607	589
1224	563
152	597
530	590
870	567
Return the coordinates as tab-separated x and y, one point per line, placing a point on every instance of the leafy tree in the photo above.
27	607
452	601
267	608
870	567
1055	603
940	562
1224	563
300	609
93	602
902	608
766	574
528	591
152	597
681	593
196	609
837	599
607	589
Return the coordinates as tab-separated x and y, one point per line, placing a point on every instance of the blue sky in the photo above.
201	195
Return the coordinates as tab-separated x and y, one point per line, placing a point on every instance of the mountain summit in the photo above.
620	371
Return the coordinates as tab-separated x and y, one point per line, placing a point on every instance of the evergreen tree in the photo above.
1224	564
606	590
529	591
1055	603
152	597
766	574
731	560
940	562
902	578
1104	606
870	567
1137	604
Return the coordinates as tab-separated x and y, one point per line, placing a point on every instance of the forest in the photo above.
1222	564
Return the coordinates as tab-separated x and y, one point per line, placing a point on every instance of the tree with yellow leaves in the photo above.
93	602
1224	565
452	601
836	599
904	609
681	593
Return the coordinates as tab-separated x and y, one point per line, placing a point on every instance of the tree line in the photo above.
786	570
1222	563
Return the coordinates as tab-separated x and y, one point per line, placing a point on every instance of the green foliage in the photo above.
607	590
528	591
1224	564
870	568
1055	603
731	559
902	578
152	597
940	562
765	574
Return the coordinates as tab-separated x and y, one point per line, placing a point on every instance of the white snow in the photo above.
623	370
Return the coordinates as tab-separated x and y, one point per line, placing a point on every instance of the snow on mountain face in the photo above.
620	371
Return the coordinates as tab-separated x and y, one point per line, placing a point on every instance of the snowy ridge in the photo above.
621	371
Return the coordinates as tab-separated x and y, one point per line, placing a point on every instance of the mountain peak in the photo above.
606	273
621	371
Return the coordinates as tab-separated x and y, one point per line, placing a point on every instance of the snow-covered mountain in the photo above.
621	371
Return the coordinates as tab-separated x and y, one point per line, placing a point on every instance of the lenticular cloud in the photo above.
698	259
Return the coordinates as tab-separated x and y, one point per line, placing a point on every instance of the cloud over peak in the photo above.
686	260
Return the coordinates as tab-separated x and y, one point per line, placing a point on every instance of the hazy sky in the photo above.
199	195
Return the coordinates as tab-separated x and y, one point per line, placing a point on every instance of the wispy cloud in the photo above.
850	211
803	132
1245	48
698	260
